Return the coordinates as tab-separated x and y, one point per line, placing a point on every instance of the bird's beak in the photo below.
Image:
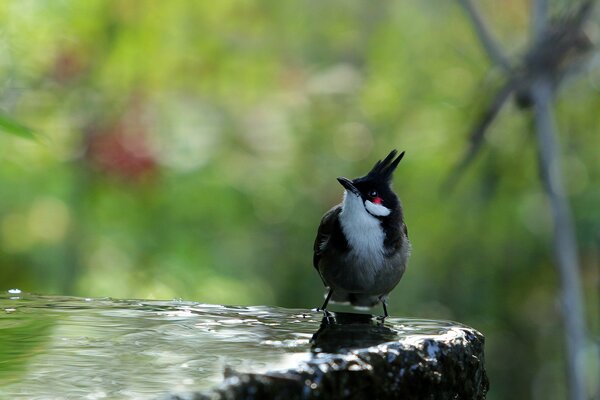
348	185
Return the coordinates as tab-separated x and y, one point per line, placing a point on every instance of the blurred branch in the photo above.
539	16
489	44
565	246
560	45
13	127
478	133
556	47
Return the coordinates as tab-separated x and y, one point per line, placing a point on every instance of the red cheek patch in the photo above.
377	200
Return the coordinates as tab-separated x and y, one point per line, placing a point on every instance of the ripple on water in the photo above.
97	348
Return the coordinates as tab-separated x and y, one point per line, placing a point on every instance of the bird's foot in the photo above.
326	313
381	318
323	310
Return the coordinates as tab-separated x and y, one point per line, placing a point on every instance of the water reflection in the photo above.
342	332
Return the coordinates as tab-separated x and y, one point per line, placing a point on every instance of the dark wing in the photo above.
326	227
396	233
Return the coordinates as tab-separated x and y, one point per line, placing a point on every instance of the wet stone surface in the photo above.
104	348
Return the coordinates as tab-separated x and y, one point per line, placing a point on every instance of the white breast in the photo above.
362	230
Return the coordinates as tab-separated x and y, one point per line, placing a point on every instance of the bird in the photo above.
362	248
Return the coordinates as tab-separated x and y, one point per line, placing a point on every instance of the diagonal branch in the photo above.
489	44
478	132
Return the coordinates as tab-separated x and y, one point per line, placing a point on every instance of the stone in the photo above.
354	356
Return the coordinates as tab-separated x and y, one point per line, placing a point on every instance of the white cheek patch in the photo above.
377	209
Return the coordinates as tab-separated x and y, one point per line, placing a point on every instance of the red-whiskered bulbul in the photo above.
362	245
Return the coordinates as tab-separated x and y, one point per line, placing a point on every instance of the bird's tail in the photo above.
363	300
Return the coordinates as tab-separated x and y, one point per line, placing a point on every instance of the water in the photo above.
67	347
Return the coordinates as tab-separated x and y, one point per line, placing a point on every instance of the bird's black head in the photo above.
375	187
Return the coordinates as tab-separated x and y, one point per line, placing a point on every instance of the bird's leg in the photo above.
385	311
324	306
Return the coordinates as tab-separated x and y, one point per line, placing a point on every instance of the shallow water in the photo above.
59	347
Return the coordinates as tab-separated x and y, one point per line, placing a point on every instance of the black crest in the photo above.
383	169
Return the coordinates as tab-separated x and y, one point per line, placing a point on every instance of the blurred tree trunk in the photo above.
565	242
565	245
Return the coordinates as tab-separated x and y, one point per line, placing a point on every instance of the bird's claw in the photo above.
324	311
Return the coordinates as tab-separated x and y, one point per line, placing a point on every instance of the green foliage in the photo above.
194	146
9	125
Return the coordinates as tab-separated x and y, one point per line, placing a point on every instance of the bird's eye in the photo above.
372	193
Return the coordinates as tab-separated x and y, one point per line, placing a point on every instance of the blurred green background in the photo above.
189	149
